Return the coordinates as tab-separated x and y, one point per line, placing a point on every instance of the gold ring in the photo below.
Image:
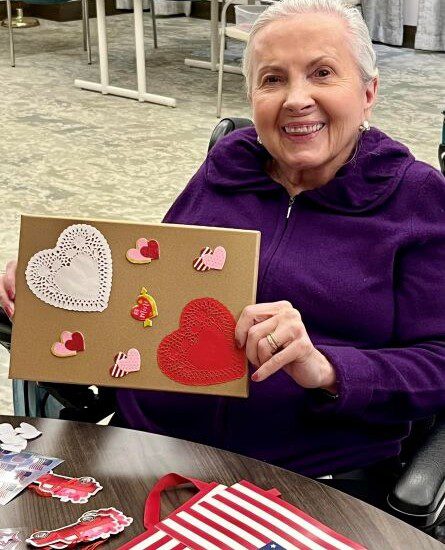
273	342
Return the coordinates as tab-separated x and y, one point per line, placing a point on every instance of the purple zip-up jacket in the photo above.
363	260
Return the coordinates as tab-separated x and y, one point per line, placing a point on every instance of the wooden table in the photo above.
127	463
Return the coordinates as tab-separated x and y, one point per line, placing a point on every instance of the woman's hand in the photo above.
289	348
7	288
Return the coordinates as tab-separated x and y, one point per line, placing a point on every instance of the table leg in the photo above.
104	85
102	44
140	48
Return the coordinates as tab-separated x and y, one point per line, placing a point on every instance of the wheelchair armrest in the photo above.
419	495
225	126
5	329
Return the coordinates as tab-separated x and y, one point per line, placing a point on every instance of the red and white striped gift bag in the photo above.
246	517
240	517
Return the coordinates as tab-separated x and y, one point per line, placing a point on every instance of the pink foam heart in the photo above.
215	259
132	361
60	350
65	336
134	255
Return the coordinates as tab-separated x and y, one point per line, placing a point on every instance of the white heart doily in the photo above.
76	274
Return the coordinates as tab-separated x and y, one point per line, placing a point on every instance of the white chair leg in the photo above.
11	39
222	47
86	29
153	21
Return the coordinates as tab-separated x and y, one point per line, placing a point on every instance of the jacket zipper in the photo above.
288	213
289	205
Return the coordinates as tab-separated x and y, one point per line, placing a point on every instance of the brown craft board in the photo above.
171	280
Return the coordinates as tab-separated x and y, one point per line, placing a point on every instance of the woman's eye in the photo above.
271	79
322	73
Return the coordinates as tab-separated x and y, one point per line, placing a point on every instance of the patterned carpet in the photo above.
71	152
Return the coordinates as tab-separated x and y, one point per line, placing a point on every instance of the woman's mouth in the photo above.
302	131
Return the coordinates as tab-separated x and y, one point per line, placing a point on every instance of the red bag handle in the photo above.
152	512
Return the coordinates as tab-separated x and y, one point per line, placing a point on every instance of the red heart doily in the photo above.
202	351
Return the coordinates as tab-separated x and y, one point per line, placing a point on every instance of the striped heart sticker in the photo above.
198	263
210	259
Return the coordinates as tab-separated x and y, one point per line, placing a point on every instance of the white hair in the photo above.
360	40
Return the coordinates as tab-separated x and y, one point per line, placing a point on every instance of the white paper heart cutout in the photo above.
27	431
76	274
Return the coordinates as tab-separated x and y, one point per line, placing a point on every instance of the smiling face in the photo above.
308	98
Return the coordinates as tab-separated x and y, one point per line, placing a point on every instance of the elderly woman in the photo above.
347	340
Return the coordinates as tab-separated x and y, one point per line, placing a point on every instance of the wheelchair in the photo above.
418	496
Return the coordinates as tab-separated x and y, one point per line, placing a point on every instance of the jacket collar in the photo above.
365	182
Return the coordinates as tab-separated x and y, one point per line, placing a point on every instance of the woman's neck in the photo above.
296	181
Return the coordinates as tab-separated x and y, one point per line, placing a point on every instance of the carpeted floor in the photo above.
77	153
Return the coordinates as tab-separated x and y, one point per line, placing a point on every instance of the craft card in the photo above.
128	305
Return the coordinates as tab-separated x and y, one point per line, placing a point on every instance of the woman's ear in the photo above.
370	95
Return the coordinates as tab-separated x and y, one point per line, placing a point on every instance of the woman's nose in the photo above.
299	98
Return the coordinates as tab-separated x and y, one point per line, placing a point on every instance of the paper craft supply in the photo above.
140	296
70	343
27	431
247	517
10	539
145	309
145	251
76	274
93	525
68	489
203	350
18	470
15	439
125	363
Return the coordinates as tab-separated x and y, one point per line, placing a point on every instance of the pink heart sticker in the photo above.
60	350
64	347
125	363
215	259
145	251
135	256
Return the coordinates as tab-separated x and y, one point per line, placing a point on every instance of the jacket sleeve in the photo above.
407	380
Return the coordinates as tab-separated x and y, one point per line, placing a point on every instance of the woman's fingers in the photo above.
255	314
295	351
256	334
11	268
5	302
7	288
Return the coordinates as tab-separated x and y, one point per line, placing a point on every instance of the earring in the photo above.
258	140
364	126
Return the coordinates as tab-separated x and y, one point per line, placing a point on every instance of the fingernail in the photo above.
255	377
11	295
8	311
237	343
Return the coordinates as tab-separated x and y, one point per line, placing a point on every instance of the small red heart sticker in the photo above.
76	343
202	351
